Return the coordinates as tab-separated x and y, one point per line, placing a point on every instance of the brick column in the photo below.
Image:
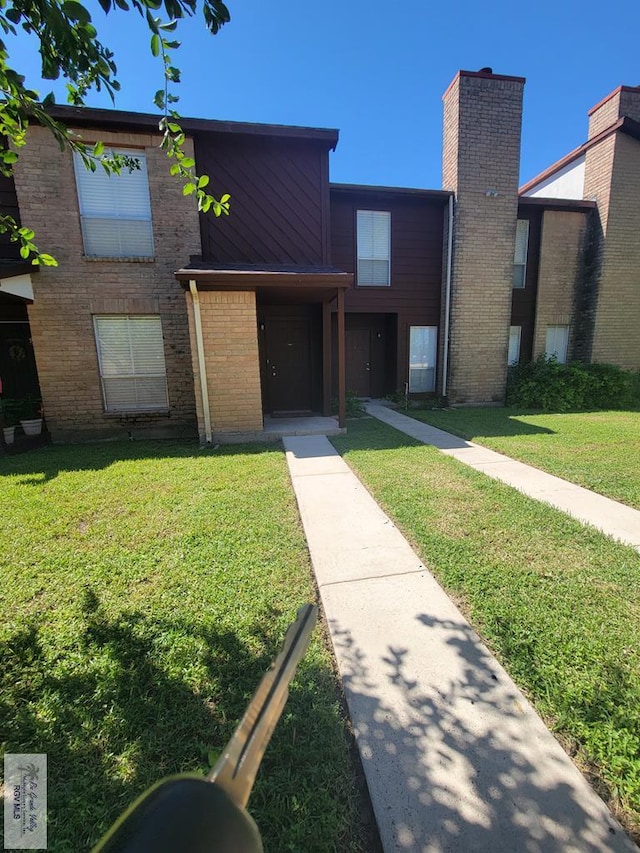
481	162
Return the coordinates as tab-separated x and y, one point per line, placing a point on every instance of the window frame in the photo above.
415	366
362	257
520	265
110	409
113	215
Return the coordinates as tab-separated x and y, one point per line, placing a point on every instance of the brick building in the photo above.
162	321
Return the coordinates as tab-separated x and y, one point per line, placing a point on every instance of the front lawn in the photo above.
557	602
145	589
597	450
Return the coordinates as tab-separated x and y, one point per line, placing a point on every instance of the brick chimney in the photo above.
481	164
623	101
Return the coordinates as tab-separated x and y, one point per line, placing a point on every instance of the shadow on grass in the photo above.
488	422
442	774
46	463
115	711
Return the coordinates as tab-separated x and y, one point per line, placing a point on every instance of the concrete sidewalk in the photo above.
612	518
455	757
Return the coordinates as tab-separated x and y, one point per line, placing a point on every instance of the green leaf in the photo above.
47	260
188	162
98	149
155	44
26	233
203	180
9	156
175	169
188	189
24	251
175	128
225	198
75	11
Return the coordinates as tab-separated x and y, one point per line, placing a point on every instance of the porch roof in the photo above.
216	276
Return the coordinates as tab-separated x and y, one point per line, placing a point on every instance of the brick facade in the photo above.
481	155
67	296
623	101
559	273
612	177
229	328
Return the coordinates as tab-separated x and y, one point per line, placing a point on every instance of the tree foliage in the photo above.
70	48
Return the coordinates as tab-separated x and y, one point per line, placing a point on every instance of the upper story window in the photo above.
115	210
374	248
520	255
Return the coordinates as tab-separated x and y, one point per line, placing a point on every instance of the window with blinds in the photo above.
115	210
520	254
374	248
131	359
423	342
557	343
514	345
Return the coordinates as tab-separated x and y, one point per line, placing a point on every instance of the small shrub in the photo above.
553	387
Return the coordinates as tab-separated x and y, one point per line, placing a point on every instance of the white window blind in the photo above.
115	210
374	247
557	343
423	342
514	345
131	359
520	254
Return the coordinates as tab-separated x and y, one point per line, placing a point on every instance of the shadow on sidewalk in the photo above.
441	784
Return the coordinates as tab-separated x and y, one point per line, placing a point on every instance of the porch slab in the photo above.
314	425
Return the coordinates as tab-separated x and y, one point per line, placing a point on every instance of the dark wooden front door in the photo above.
358	358
288	364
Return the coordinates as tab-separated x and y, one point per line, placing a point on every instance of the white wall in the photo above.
565	183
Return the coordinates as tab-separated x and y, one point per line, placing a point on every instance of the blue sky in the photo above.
377	70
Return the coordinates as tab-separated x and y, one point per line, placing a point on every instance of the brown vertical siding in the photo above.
276	188
414	296
8	207
523	300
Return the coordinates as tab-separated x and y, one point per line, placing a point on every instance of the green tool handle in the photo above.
183	814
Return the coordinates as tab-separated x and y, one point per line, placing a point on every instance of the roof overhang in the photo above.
16	281
567	204
251	279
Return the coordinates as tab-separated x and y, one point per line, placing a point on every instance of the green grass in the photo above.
557	602
146	588
597	450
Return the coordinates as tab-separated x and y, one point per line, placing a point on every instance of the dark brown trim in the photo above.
484	75
326	359
10	268
247	280
578	204
147	122
342	375
436	195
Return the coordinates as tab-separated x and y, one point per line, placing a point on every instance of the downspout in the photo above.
447	300
201	362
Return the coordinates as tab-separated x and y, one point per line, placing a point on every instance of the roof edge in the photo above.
441	195
608	97
92	116
573	155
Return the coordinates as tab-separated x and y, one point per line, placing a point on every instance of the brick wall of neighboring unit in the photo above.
66	297
481	154
229	329
559	273
613	179
624	101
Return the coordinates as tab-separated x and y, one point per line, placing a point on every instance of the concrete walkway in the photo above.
455	757
615	519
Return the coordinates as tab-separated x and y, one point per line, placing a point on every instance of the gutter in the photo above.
201	362
447	300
